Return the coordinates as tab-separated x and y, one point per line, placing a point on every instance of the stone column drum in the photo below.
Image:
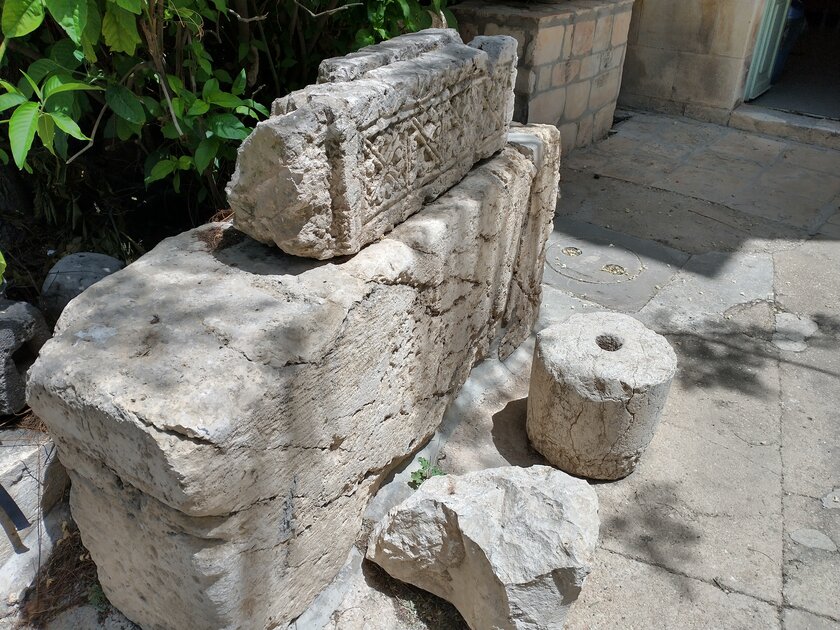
598	385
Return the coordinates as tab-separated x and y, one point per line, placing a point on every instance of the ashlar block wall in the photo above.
690	58
571	58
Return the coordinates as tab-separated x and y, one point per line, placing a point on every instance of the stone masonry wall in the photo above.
571	56
690	58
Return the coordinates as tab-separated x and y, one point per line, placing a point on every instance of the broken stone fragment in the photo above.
510	547
22	333
225	411
599	382
340	163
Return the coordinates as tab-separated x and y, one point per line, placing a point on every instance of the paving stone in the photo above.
646	168
811	441
793	331
714	434
706	288
690	225
694	180
812	561
749	147
799	156
793	619
624	593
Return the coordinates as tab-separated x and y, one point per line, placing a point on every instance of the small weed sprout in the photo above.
97	599
426	471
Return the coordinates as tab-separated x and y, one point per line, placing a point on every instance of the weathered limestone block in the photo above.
598	386
509	547
341	163
225	411
22	333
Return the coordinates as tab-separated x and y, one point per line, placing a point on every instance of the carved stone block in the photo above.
342	162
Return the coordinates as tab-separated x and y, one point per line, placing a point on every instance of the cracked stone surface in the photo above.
599	383
340	163
509	547
222	451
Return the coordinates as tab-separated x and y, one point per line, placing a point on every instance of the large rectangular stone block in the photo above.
225	411
340	163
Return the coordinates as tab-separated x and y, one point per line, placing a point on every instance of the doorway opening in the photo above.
806	69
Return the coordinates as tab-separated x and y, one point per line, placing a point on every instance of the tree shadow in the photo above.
656	529
733	355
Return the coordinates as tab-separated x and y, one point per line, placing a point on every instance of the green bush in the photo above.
127	114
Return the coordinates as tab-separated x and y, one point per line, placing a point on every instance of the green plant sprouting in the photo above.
426	471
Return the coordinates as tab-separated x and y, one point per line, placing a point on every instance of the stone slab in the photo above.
223	450
691	225
807	129
793	619
707	287
18	572
340	163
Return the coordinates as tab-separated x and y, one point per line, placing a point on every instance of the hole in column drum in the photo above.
610	343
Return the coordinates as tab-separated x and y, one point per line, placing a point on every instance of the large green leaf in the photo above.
133	6
125	104
71	15
10	100
66	54
21	17
120	29
227	126
205	153
22	127
55	85
11	89
41	68
161	170
46	131
198	108
93	28
67	125
224	99
33	85
238	86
